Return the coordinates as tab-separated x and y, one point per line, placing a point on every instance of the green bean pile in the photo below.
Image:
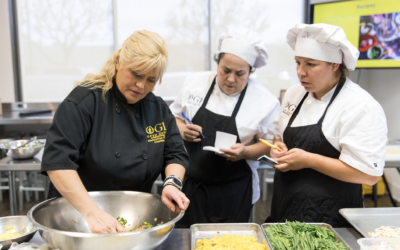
301	236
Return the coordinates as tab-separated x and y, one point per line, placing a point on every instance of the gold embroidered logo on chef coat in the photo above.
289	108
157	133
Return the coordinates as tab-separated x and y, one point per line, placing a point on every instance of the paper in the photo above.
211	148
222	140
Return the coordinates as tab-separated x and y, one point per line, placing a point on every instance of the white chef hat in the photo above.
245	44
323	42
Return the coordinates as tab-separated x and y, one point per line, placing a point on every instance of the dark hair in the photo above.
342	72
218	57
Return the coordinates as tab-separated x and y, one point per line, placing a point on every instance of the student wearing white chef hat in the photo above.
223	187
333	132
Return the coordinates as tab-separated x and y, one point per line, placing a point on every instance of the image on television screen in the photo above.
379	37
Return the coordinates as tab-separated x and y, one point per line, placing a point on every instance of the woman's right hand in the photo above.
190	132
101	222
276	154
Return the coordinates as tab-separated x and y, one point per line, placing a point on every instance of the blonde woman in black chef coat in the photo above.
112	133
334	130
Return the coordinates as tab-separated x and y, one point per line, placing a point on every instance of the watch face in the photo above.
177	182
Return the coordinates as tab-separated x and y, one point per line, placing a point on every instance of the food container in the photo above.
24	152
365	243
63	227
366	220
323	225
21	225
207	231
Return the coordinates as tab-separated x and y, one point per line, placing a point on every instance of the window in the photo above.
60	42
271	20
182	23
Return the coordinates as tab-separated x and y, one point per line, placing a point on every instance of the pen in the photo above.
271	145
189	121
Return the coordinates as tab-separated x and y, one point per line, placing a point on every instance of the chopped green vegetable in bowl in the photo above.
37	144
144	225
121	221
302	236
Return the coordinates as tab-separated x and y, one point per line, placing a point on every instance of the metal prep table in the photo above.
13	118
391	161
179	239
11	112
12	166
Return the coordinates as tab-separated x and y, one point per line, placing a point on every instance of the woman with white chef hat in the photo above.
223	187
333	132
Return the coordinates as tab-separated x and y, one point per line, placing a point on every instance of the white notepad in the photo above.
222	140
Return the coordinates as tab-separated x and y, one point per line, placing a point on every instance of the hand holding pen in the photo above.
193	130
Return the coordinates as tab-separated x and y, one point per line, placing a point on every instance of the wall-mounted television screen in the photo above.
373	26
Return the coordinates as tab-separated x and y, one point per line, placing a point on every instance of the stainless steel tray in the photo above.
201	231
323	225
368	219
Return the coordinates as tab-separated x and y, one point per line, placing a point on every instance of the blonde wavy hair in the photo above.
142	51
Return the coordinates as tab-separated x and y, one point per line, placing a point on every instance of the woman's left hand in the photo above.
235	153
295	159
174	199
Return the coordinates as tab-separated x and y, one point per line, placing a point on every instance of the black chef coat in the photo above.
113	145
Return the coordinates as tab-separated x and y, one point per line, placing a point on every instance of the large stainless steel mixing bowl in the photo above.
21	225
25	152
63	227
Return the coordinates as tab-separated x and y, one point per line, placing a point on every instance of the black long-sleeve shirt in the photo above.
113	145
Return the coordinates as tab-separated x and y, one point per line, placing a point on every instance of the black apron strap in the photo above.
237	106
296	111
337	90
210	90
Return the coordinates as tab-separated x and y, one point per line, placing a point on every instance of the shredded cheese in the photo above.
237	242
386	232
9	235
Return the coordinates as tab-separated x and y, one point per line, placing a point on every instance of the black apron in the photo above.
307	195
220	191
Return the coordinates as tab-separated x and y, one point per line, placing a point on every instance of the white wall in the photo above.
6	69
384	86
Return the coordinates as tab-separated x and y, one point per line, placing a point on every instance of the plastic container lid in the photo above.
366	243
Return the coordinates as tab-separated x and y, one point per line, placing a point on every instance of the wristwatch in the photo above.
173	180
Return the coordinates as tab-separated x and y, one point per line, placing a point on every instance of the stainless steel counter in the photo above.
179	239
11	112
13	118
9	164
